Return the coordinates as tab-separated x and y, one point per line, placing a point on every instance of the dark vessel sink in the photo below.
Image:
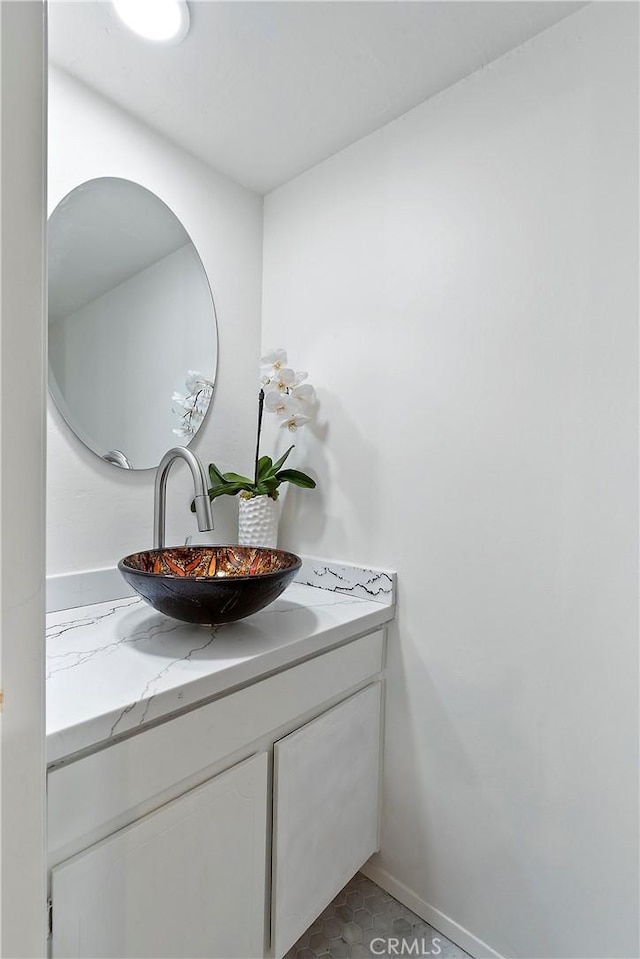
210	584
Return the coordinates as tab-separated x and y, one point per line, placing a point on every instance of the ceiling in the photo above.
263	90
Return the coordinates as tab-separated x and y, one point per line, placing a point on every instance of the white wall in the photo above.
22	463
463	288
97	512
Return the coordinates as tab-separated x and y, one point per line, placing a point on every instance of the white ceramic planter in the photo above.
258	521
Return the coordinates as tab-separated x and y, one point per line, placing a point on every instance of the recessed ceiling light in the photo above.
164	21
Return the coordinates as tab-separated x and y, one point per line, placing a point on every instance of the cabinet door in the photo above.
326	782
186	880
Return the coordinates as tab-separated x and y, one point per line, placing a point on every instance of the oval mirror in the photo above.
132	325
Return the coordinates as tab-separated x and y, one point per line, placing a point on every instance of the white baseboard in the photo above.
448	927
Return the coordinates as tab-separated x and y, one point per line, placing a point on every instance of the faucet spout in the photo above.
203	505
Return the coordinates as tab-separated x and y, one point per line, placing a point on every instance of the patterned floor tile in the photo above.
365	922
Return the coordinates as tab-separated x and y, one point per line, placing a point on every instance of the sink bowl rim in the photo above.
251	577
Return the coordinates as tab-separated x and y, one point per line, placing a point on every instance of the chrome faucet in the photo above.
203	505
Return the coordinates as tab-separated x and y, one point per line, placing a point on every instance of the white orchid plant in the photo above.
284	393
192	407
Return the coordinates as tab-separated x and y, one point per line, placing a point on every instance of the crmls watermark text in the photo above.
383	946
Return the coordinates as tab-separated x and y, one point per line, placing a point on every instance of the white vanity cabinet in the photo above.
226	830
185	880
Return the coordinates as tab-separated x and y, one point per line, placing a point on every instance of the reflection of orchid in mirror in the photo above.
192	407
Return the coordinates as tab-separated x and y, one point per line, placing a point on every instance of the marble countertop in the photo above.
114	667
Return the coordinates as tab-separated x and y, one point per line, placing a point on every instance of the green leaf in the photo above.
276	466
215	475
225	489
237	478
297	477
222	489
265	465
270	484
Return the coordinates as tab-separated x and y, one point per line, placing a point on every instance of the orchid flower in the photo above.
277	402
271	364
304	396
294	421
283	380
286	380
284	393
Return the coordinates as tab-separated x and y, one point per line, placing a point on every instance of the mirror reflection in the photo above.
132	326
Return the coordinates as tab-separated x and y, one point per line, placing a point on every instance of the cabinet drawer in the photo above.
92	792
